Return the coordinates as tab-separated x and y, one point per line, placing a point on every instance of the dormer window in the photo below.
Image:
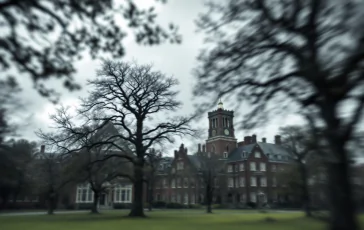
180	165
257	154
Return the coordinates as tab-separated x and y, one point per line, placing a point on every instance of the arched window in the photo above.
227	148
213	149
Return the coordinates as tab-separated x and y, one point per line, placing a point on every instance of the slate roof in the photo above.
194	160
275	152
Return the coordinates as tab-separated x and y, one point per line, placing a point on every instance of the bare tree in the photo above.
128	98
299	144
52	172
287	55
153	161
209	172
43	39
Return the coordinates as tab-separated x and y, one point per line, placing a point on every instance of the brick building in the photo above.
248	167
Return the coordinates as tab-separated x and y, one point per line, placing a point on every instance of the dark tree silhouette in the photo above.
129	98
285	55
209	171
43	39
300	145
153	161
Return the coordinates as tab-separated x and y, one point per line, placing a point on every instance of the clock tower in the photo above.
221	138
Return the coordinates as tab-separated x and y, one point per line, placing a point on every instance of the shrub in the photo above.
217	206
251	204
159	204
175	205
84	206
195	206
121	206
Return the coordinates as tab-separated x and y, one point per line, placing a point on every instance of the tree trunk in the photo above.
150	195
342	211
208	199
137	206
94	209
305	191
52	204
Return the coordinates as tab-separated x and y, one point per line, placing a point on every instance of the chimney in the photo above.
42	148
175	153
203	148
186	151
199	148
277	139
254	138
246	140
264	140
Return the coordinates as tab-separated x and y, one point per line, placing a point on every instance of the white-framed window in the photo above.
185	182
178	198
179	183
242	182
180	165
84	194
193	199
173	183
230	168
236	182
274	182
274	168
173	170
123	194
173	198
241	167
253	166
185	200
253	197
262	167
253	181
243	198
165	183
192	182
230	182
263	182
257	154
225	155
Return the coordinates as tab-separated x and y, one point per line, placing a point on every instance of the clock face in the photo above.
213	132
226	131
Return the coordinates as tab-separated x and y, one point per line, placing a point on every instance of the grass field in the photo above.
160	220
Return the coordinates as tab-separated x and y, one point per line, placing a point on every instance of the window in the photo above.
213	149
257	154
253	197
185	200
202	183
192	182
252	166
173	183
263	182
241	167
225	155
227	148
274	168
231	182
185	182
84	194
253	181
165	184
236	168
236	182
209	155
262	167
242	182
216	183
230	168
268	156
243	198
274	182
173	198
179	165
123	194
193	199
173	170
178	198
179	185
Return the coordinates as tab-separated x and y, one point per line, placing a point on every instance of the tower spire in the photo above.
220	105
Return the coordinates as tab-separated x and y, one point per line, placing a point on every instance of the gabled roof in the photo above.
195	161
276	153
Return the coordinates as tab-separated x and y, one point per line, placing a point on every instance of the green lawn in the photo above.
160	220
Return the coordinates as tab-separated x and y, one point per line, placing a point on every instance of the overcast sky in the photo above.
175	60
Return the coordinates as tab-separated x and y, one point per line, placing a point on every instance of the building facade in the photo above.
248	168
